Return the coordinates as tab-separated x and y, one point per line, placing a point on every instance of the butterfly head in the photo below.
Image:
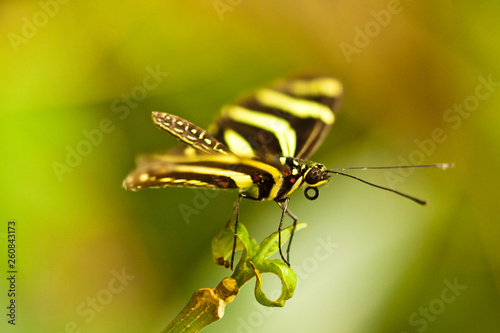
314	175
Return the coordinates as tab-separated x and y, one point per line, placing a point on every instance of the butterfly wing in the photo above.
203	171
255	178
208	165
187	132
290	118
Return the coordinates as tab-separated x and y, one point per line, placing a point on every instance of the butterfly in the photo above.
259	146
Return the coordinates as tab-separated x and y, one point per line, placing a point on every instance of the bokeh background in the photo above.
76	76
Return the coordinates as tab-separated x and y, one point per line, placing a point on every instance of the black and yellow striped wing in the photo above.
256	178
187	132
291	118
243	148
208	164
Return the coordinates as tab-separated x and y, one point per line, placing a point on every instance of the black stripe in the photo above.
265	186
310	131
262	141
216	180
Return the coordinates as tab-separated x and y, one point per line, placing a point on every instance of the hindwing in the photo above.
204	171
291	118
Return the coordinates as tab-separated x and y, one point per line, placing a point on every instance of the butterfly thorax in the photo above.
293	173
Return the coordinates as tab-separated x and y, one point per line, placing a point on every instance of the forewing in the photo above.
201	171
190	134
290	118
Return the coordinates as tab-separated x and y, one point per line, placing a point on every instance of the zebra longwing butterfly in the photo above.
259	146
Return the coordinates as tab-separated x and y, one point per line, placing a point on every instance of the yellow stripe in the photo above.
237	144
183	182
317	87
242	180
295	186
279	127
228	159
278	180
175	161
165	180
298	107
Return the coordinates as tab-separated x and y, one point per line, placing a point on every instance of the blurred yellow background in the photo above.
79	81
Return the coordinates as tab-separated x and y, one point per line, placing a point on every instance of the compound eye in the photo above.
313	176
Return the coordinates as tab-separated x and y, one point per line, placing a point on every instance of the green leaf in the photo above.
270	245
284	273
248	243
222	244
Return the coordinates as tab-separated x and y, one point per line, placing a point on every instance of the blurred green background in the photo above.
76	76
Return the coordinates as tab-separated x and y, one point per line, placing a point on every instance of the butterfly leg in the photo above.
236	222
295	219
284	205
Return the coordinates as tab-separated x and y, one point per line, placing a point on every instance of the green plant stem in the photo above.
207	304
205	307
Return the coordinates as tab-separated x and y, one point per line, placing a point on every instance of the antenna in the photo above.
442	166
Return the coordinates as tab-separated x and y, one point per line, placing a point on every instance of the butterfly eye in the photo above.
314	196
313	176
